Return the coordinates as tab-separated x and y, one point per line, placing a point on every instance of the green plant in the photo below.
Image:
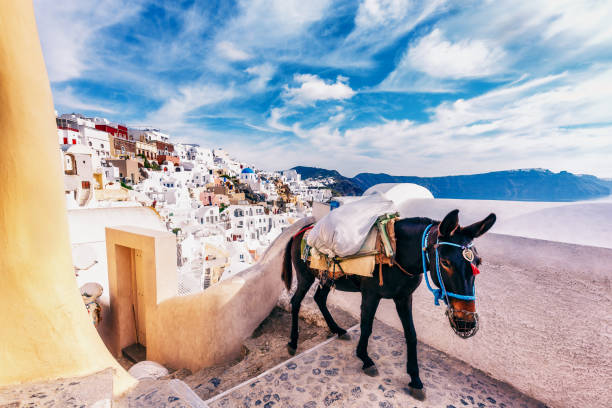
175	231
222	207
126	186
147	164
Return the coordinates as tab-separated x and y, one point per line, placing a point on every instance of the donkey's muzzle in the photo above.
464	323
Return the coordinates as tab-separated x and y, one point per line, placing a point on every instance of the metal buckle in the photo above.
468	254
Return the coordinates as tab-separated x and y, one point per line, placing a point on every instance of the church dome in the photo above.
247	170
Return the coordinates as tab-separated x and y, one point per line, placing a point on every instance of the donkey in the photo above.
422	244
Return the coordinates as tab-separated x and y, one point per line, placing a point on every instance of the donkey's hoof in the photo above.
291	350
417	393
344	336
372	371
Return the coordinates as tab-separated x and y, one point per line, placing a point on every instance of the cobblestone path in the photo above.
330	376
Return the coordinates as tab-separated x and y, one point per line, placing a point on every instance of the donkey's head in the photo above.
457	262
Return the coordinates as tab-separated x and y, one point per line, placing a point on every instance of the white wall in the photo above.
582	223
87	236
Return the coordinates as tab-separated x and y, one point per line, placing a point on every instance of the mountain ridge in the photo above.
517	185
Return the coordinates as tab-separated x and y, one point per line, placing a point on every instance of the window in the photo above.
73	141
90	144
65	140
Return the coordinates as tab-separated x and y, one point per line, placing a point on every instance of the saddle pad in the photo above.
362	266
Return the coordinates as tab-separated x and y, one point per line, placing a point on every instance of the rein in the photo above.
441	293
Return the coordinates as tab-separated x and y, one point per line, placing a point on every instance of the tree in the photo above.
148	164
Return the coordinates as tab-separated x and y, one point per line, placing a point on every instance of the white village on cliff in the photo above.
224	212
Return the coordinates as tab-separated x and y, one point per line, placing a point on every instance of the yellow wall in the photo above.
45	330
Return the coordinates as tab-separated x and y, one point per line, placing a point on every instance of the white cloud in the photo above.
173	114
585	20
231	52
505	39
560	122
274	28
376	13
70	102
378	24
263	74
312	89
274	121
440	58
539	34
67	28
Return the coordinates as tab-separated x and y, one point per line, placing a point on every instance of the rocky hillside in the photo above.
524	185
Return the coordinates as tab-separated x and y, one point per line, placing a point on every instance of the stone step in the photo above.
160	393
94	391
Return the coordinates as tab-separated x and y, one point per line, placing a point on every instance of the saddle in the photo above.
378	248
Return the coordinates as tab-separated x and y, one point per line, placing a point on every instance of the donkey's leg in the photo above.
369	304
305	281
320	298
404	310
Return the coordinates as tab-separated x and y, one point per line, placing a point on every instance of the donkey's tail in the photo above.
287	267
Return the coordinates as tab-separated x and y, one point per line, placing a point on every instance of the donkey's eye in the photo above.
446	263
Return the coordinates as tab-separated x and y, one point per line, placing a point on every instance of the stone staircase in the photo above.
327	375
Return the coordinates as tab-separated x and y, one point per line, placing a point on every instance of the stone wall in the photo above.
207	328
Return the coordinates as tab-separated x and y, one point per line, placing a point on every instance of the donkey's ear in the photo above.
449	224
478	228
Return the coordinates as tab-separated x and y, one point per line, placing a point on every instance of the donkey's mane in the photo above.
418	220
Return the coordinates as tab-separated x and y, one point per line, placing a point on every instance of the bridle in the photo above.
442	293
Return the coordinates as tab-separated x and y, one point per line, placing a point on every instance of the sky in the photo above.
405	87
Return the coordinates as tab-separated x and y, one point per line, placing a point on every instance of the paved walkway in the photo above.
95	390
330	375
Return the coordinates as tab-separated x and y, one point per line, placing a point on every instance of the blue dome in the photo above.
247	170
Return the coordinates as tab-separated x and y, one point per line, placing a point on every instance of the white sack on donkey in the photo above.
344	230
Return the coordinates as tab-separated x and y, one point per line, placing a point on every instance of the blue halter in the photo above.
441	293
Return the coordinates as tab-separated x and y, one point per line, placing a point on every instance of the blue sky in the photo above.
405	87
